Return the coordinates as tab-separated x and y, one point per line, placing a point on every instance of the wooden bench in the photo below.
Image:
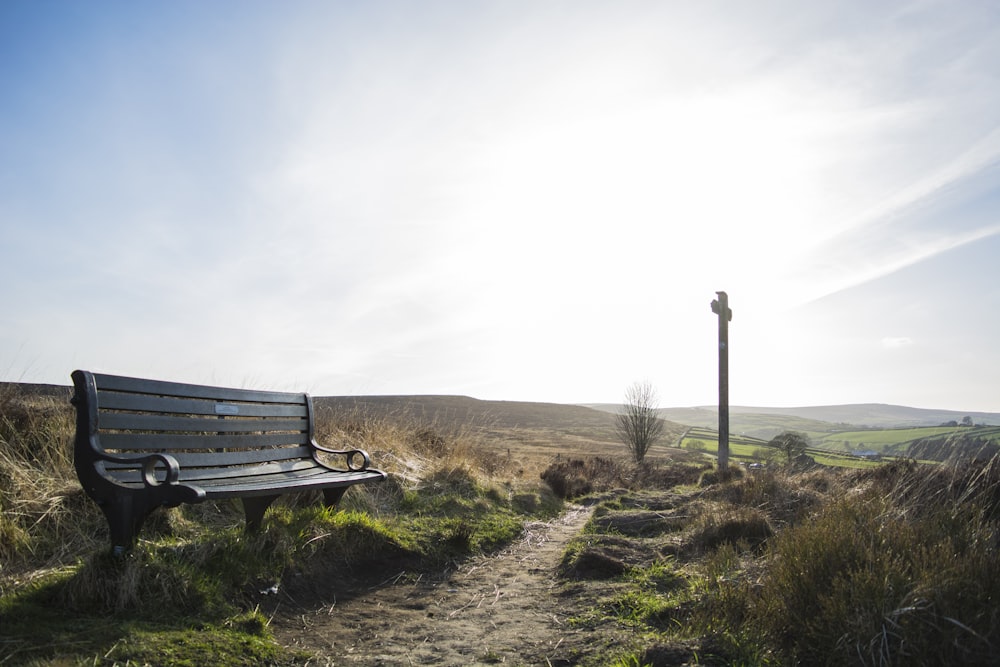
143	444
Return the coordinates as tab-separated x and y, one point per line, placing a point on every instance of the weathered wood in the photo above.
721	308
220	460
142	444
190	406
161	388
133	422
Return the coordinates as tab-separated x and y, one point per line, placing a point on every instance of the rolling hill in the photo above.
556	427
466	410
528	431
766	422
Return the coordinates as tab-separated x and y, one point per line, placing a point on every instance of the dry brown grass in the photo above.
411	447
45	519
785	497
888	566
575	477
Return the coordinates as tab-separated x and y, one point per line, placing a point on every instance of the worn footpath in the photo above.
506	608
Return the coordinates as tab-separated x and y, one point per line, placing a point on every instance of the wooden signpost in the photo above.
720	307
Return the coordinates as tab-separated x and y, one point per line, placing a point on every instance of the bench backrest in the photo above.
200	426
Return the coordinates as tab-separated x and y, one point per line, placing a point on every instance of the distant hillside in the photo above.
466	410
530	421
875	415
594	422
766	422
552	428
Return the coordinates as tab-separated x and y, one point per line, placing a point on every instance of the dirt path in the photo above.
505	608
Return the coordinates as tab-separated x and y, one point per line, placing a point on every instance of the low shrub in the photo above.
783	496
897	570
574	478
667	475
742	527
709	476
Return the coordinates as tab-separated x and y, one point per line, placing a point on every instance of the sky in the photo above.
510	199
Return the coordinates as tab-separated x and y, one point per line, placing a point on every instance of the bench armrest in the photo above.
349	454
148	464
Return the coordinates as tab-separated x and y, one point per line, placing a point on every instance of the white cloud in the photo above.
896	342
532	201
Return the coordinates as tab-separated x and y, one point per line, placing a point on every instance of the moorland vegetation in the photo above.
195	589
892	564
889	565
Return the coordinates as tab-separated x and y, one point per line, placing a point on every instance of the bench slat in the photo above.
161	388
227	443
123	421
203	476
206	459
291	482
217	475
189	406
270	483
155	442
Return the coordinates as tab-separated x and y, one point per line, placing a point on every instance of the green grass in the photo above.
749	450
188	593
49	622
836	449
841	460
36	632
896	440
882	438
707	440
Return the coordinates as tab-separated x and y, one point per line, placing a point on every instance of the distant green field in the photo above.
747	449
898	440
836	449
839	460
740	447
880	439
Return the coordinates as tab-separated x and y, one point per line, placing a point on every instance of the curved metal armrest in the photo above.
349	454
148	464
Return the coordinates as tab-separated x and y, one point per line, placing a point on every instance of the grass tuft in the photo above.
574	478
895	570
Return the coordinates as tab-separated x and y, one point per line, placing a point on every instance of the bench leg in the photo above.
254	508
125	514
332	496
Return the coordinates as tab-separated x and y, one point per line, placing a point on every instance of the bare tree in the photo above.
637	424
791	443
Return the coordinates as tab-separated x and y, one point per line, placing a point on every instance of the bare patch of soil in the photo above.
507	608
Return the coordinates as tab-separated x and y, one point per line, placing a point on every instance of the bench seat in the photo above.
142	444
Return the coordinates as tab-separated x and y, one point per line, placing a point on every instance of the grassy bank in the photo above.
197	588
892	565
889	565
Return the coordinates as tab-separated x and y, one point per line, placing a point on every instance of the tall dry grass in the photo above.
571	477
894	565
45	519
411	447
